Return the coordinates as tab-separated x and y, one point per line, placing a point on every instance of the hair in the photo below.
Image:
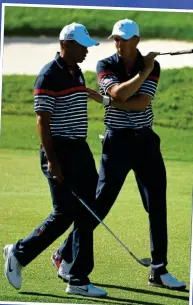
61	43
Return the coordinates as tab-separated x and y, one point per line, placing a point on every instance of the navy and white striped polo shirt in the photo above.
63	93
112	71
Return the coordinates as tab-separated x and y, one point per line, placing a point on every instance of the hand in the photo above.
55	170
149	61
94	95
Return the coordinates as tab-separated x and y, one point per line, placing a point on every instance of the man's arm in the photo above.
142	96
135	103
121	92
44	103
43	121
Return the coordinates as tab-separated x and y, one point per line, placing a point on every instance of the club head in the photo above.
145	262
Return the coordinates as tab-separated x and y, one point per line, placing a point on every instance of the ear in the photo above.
63	43
137	40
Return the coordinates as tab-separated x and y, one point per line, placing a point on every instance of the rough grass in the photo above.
172	106
26	21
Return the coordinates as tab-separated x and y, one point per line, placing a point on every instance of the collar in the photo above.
62	64
138	64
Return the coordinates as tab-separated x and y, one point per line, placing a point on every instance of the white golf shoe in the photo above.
12	267
162	278
86	290
64	270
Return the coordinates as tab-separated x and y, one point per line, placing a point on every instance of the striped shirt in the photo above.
112	71
62	92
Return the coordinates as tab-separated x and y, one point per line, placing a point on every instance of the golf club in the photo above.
178	52
143	261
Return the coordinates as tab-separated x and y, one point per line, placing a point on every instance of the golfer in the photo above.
131	143
60	97
129	82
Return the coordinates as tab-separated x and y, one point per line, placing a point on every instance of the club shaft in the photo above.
109	230
178	52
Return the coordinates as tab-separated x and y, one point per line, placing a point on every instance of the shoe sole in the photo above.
5	251
62	278
5	256
76	292
167	287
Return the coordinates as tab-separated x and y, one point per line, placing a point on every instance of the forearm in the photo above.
125	90
46	139
134	103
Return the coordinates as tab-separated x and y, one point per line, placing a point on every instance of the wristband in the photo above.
106	100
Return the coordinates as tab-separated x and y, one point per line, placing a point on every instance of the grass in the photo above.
19	132
49	22
173	105
26	201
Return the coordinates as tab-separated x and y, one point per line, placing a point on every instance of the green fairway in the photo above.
25	201
35	21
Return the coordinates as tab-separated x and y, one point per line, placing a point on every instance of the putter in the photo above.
178	52
143	261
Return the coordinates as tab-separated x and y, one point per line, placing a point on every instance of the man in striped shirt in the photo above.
130	143
60	97
129	82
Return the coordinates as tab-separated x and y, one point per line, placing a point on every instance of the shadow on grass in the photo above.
101	301
143	291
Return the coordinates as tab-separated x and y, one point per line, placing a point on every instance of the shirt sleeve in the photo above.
150	84
44	94
106	77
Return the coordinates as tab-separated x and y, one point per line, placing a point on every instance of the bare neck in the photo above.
130	59
66	58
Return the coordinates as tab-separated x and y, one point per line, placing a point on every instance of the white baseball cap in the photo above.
79	33
125	28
